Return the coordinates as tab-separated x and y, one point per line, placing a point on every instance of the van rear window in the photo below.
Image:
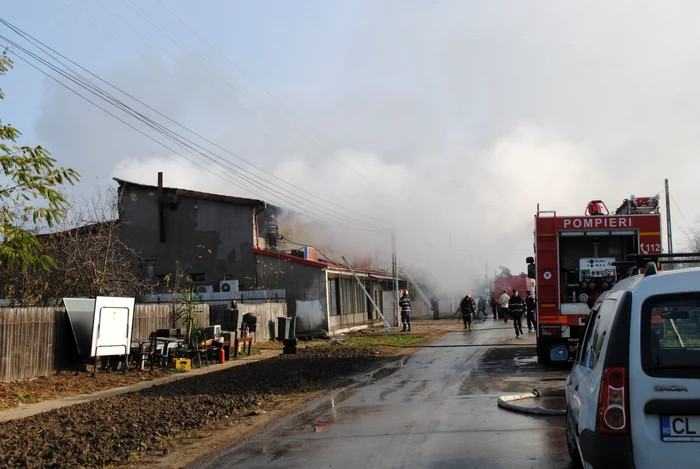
671	335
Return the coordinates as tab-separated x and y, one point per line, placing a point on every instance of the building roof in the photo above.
197	195
319	264
79	230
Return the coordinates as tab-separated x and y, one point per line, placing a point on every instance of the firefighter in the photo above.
494	307
405	303
272	232
435	306
467	308
482	308
503	304
516	309
530	307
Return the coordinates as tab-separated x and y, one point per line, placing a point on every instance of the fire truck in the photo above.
578	258
508	283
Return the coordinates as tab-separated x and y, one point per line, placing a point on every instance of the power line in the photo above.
43	46
181	44
319	251
167	132
222	75
250	77
690	226
111	12
361	193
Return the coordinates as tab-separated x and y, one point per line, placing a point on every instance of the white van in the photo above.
633	395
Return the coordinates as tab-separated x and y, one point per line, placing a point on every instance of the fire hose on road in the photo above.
509	403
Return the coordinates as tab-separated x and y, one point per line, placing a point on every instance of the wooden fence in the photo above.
151	317
266	313
39	341
32	342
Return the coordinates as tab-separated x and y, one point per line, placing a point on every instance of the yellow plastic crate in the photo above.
182	364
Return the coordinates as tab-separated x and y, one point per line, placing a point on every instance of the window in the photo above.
333	296
587	334
597	333
670	335
199	277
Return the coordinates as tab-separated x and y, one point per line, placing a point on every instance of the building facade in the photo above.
209	239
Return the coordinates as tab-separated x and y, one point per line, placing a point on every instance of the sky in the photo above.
448	121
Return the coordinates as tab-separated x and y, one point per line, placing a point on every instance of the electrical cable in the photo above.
36	41
167	132
30	38
337	264
153	22
300	212
249	77
189	68
149	60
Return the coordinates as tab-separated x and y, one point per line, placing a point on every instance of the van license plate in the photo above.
680	428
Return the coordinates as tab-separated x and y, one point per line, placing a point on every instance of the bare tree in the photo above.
90	258
692	246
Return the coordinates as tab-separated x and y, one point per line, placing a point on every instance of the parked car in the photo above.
633	394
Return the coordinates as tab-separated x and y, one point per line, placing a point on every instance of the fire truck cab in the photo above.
578	258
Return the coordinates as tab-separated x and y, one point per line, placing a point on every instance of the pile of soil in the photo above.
112	431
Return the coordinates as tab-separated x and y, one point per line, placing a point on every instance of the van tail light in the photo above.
613	406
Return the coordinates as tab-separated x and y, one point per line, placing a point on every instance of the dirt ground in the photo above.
30	391
174	424
67	383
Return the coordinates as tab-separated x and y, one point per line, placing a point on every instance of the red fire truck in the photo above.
507	284
578	258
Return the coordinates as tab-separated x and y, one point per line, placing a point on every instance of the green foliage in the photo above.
186	311
186	297
384	340
30	196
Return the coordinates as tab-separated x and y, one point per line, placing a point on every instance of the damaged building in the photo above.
219	244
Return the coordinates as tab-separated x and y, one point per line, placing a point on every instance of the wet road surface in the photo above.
436	410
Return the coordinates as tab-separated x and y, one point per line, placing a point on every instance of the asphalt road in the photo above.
436	410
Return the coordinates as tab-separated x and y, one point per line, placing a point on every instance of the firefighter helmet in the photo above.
404	292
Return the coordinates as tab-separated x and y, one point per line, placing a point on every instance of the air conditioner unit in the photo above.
228	286
205	289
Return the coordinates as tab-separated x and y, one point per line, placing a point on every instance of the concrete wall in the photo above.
305	288
311	316
225	229
267	314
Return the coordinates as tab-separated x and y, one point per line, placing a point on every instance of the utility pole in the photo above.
395	274
668	220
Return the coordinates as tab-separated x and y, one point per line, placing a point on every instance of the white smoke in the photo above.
463	115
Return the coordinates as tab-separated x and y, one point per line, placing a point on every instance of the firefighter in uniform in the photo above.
405	303
435	306
516	309
272	232
467	308
530	307
482	308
